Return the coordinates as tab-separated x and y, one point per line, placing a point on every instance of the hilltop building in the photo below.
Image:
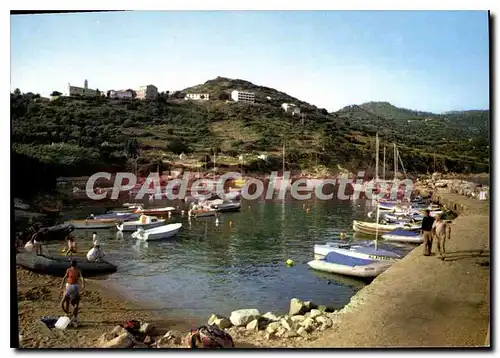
147	92
121	94
197	96
290	108
239	96
82	91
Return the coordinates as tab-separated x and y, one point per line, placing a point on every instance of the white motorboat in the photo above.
401	235
362	250
158	233
373	228
145	222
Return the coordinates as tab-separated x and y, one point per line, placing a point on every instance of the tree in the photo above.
17	92
178	146
56	94
224	96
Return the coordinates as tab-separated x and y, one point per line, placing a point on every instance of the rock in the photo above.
270	316
286	323
147	340
297	318
332	315
270	335
222	322
244	316
118	330
122	341
212	319
290	334
308	324
325	309
273	327
302	332
147	328
253	325
281	331
298	307
315	313
324	321
174	336
323	327
105	338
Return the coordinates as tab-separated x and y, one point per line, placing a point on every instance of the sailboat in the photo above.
359	260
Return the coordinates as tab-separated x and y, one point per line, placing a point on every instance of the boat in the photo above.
224	206
401	235
116	216
371	228
158	233
57	266
156	211
88	224
132	205
349	266
145	222
362	250
50	211
55	233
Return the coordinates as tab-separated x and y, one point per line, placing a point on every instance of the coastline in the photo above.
419	302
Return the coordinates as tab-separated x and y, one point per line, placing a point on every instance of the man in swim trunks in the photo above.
72	248
71	293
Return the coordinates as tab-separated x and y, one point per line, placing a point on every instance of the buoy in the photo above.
289	262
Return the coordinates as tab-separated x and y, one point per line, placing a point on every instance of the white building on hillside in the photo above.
197	96
290	108
239	96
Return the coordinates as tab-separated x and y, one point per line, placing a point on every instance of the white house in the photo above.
290	108
197	96
239	96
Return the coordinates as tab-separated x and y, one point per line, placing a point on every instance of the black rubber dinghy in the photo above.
57	266
55	233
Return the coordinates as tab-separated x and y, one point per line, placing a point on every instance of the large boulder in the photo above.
122	341
270	316
273	327
220	321
244	316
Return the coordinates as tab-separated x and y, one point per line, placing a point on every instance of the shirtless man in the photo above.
71	293
72	248
441	230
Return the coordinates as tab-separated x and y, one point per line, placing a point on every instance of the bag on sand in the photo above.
209	337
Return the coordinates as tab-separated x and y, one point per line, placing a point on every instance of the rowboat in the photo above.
88	224
203	212
158	233
145	222
224	206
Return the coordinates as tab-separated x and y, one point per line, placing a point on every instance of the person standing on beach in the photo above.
441	230
426	232
71	293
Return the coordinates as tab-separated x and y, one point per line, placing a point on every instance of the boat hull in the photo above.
153	236
57	266
92	224
371	228
364	271
129	227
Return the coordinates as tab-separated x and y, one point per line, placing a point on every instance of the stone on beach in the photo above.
273	327
147	328
297	318
325	321
118	330
122	341
258	324
270	316
315	313
244	316
220	321
287	323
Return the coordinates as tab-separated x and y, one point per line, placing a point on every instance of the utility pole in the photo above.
383	170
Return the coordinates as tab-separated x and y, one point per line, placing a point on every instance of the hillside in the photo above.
76	136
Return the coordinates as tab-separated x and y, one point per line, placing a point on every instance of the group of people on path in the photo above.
435	228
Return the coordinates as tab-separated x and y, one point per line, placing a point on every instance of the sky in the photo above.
424	60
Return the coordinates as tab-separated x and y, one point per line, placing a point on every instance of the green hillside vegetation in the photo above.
77	136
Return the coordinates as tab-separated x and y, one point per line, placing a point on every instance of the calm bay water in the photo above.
239	263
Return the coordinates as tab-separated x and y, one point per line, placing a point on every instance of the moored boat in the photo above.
401	235
156	211
57	266
350	266
202	212
224	206
145	222
158	233
88	224
372	228
362	250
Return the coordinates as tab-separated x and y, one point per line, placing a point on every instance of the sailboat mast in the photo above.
383	168
395	162
376	157
376	229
